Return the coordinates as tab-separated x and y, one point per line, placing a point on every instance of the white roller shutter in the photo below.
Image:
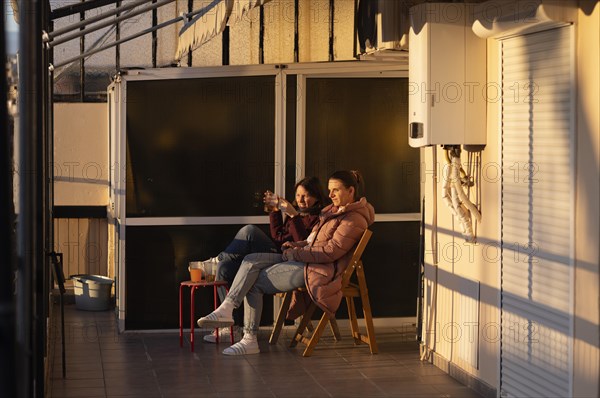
537	200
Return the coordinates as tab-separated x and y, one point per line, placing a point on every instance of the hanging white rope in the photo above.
455	198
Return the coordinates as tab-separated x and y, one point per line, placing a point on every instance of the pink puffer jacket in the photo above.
327	257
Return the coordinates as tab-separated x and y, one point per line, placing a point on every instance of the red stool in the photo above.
193	286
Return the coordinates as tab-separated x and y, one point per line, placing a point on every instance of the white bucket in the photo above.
92	292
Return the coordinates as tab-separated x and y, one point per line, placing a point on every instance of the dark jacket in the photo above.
293	229
328	256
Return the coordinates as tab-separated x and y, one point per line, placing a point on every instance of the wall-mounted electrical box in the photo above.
447	77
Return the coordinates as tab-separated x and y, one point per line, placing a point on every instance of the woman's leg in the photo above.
248	274
242	283
280	277
249	239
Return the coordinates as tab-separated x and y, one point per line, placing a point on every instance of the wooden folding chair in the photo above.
350	291
281	314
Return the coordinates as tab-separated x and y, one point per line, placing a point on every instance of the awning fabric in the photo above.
242	7
211	21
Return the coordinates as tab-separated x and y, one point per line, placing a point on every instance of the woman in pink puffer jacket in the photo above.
317	263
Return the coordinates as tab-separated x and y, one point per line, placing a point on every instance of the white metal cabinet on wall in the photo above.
537	213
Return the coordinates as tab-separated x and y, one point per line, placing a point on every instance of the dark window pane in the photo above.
362	124
292	173
391	262
157	260
199	147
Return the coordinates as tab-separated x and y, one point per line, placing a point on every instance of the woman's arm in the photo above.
300	226
345	237
287	245
276	227
293	229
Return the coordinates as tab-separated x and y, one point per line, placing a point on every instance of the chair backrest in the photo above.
355	260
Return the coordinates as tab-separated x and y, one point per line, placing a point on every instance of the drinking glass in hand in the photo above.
270	200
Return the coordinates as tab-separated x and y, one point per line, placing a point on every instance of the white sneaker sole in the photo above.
223	338
214	323
240	349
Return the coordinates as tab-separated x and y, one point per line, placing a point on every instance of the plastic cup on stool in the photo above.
196	269
211	273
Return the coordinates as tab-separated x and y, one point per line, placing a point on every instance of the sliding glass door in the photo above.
200	146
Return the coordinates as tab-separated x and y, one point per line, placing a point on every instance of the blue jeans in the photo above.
249	239
262	273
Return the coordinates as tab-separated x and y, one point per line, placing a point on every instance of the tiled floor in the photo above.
102	363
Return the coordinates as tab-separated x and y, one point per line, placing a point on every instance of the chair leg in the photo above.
353	320
366	305
302	326
285	305
335	329
316	335
369	323
309	326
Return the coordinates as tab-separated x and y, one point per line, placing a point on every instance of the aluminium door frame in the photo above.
118	112
349	70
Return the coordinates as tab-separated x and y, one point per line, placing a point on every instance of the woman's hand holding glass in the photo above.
287	208
271	201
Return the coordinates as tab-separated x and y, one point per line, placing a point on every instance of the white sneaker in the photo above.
214	320
224	335
243	347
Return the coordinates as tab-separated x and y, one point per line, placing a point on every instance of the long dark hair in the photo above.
315	189
351	178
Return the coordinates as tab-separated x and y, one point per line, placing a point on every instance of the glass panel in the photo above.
391	266
99	38
136	52
100	66
157	260
70	48
66	79
361	123
199	147
292	172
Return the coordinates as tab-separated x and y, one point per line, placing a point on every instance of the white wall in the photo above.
466	334
81	169
454	269
467	319
81	175
586	355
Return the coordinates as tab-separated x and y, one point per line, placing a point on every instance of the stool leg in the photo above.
192	311
215	307
231	327
180	316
